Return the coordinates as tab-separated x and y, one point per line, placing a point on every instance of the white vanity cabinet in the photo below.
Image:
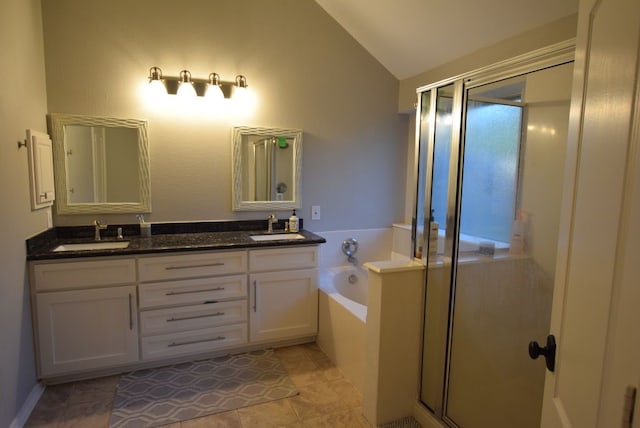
284	293
86	315
110	314
192	303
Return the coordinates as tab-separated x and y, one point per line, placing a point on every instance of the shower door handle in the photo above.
549	352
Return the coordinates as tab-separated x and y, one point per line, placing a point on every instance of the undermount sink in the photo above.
277	237
88	246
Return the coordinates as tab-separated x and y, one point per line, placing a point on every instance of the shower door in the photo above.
493	181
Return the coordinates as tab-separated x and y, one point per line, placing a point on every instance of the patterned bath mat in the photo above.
406	422
153	397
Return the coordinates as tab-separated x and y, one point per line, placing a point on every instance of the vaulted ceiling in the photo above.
409	37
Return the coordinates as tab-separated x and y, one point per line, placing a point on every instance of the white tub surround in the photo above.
374	244
401	245
393	341
342	316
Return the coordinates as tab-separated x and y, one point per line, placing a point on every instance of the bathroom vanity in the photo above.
169	298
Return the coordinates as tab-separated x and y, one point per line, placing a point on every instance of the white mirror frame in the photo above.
58	122
238	176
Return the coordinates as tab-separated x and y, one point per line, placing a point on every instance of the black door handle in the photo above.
548	351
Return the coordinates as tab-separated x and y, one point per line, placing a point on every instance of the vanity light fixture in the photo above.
186	88
156	83
212	87
214	91
240	87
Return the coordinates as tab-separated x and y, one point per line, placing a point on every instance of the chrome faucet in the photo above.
97	229
270	220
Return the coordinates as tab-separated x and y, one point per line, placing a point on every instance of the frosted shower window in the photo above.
490	183
442	157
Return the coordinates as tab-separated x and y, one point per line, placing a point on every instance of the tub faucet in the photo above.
270	220
97	228
349	248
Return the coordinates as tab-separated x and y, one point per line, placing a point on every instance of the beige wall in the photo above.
306	71
22	106
554	32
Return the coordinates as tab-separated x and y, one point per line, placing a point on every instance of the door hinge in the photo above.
629	406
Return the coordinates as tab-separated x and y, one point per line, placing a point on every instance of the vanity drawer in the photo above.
194	342
192	265
185	318
192	291
283	258
85	274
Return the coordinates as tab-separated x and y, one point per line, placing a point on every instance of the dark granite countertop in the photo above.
165	238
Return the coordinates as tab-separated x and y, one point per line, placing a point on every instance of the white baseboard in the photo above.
425	418
27	407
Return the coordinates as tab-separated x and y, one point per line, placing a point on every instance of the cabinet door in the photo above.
284	305
41	169
86	329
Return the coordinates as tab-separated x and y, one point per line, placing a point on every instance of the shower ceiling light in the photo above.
212	87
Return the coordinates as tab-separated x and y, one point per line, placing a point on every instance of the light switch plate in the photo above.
315	212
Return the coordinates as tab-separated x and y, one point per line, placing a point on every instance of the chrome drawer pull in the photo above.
130	312
195	266
255	298
175	293
217	314
191	342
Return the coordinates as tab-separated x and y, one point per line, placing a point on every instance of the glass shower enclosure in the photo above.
490	161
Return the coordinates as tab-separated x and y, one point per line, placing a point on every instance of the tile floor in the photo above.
326	399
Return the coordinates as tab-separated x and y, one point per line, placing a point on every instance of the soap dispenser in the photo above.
293	222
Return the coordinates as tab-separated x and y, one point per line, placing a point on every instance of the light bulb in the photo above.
240	89
157	89
186	89
156	85
214	91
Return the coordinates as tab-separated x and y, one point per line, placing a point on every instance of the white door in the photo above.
595	317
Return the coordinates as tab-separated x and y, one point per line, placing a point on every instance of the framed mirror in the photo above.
101	164
267	168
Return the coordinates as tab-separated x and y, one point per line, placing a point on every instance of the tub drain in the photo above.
353	278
